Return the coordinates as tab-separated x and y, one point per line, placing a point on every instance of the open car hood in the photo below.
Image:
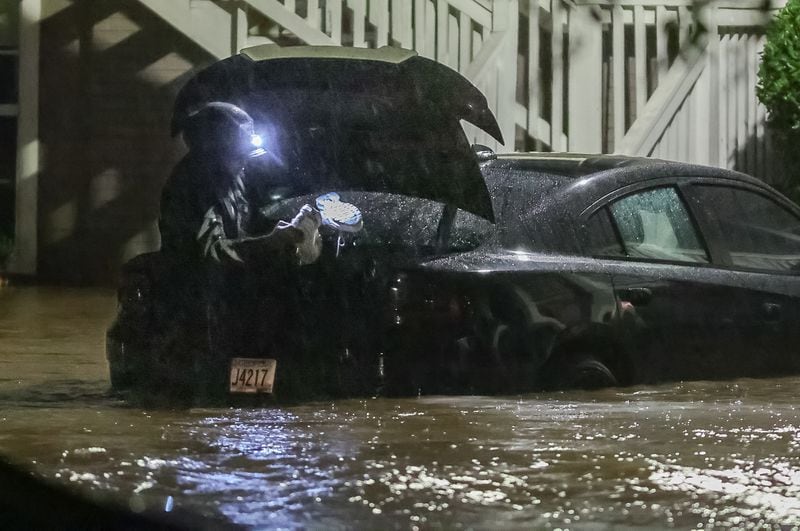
335	118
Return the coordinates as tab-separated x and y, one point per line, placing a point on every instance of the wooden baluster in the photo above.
313	17
464	41
752	101
453	39
397	16
662	59
534	34
239	28
640	58
681	127
430	29
761	118
717	90
585	81
442	16
404	12
740	84
618	72
420	26
690	140
557	46
477	42
723	133
335	18
381	21
684	26
359	21
290	5
732	58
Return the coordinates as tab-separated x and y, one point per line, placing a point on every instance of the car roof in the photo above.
562	187
571	164
615	170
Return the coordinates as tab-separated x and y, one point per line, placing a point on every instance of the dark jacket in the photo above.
206	216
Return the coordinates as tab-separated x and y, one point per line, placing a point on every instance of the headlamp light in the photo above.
257	143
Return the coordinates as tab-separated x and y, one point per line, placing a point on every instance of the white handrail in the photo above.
650	125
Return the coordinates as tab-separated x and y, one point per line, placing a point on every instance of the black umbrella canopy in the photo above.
335	118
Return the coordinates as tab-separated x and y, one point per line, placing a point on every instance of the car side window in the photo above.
757	232
602	239
655	224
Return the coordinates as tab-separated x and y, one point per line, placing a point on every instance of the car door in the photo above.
675	316
758	236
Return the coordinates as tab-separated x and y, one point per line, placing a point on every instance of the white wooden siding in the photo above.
652	102
741	133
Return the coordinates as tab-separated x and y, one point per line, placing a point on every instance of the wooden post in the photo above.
585	81
24	257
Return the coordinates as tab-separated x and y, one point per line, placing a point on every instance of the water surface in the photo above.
686	455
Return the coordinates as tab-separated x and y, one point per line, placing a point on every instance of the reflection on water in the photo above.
711	454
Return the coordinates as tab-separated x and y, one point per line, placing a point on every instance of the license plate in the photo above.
252	375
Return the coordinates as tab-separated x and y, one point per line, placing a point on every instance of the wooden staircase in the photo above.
620	76
471	36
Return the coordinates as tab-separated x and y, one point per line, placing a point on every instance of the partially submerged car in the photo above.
474	272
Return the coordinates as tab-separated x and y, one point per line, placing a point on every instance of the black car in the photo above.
475	272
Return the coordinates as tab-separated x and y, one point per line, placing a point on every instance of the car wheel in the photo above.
583	371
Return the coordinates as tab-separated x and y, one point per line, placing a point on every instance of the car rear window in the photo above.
520	198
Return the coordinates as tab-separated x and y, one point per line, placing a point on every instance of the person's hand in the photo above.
307	221
285	234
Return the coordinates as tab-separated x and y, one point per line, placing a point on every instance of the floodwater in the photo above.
686	455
